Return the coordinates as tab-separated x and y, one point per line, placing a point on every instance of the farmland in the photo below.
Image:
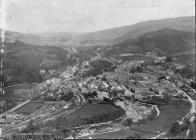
92	110
30	107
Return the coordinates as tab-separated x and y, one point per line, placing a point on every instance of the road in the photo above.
15	85
81	98
13	128
38	116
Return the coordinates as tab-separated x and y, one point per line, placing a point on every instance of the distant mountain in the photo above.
109	36
11	37
165	41
119	34
48	39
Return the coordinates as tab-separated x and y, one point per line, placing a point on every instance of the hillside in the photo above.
164	41
119	34
22	62
168	41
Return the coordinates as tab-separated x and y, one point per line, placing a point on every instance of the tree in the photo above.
103	78
128	122
95	93
175	129
193	84
152	114
90	101
168	58
166	97
67	96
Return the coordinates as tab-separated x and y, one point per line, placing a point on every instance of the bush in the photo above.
128	122
175	129
67	96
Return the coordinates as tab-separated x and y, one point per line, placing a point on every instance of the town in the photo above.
135	90
97	69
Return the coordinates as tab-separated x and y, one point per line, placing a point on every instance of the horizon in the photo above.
40	16
96	30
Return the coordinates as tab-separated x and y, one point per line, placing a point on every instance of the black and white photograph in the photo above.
97	69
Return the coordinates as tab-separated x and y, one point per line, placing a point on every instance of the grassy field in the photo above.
92	110
89	114
30	107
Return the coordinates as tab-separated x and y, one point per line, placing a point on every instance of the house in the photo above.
51	94
118	89
105	85
160	59
128	92
103	95
93	86
42	71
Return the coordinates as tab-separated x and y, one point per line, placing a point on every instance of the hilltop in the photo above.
119	34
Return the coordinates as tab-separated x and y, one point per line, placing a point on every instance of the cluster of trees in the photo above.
152	114
178	128
128	122
187	72
157	100
90	94
193	84
67	96
175	129
98	66
138	68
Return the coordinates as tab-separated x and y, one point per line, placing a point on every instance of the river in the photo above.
168	115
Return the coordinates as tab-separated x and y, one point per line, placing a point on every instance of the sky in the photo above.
33	16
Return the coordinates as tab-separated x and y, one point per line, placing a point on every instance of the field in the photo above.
92	110
89	114
29	108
